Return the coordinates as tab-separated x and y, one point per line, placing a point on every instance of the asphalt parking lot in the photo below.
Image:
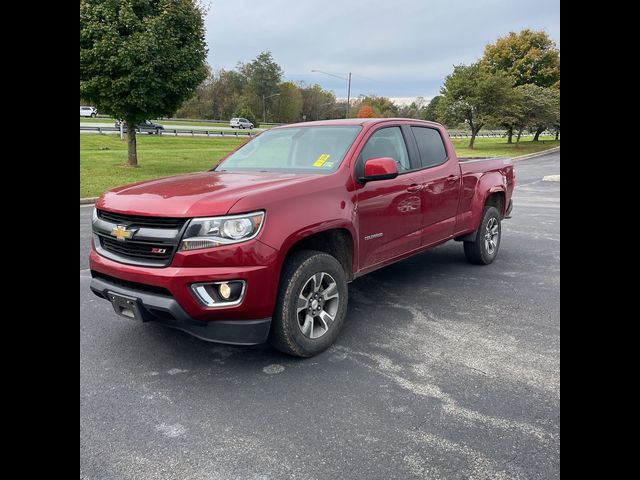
444	370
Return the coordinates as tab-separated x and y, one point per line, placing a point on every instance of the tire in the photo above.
292	332
93	115
485	248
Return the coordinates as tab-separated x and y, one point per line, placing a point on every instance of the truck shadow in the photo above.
395	283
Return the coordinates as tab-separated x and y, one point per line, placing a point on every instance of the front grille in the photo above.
142	221
151	233
138	250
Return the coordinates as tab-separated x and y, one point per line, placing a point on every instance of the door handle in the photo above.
414	188
452	178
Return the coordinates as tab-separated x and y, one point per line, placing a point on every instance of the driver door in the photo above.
389	211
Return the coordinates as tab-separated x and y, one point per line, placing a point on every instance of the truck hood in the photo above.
194	195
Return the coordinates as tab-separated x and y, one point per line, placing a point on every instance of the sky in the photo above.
394	48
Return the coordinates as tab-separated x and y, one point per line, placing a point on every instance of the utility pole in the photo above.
264	115
348	91
349	97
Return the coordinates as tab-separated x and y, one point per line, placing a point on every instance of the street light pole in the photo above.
264	115
342	78
349	97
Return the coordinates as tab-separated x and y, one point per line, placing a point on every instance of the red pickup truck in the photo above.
262	247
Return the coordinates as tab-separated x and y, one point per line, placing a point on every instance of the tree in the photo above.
381	105
414	110
538	108
317	103
475	96
528	56
200	105
431	111
366	112
288	105
140	59
227	93
245	112
263	76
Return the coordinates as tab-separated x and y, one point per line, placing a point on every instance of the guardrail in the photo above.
240	133
492	133
200	120
174	131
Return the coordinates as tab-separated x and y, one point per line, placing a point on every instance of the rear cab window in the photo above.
430	146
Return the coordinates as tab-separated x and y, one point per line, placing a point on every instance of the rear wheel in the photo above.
311	305
484	249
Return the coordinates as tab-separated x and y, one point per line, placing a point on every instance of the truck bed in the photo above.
484	164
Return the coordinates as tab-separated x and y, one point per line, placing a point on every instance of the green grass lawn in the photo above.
498	147
102	157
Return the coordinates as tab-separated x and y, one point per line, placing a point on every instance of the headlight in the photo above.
215	231
95	215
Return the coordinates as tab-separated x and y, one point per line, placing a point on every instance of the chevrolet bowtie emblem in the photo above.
121	233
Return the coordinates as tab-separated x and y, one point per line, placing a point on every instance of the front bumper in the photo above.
165	309
254	262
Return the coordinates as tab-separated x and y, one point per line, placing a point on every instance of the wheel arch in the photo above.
337	242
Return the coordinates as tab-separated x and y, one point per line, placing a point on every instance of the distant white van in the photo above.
240	123
88	111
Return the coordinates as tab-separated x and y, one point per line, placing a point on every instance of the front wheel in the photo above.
311	306
484	249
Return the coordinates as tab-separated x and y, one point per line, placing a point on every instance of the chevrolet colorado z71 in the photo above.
261	247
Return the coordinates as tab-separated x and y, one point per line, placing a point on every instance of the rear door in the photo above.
440	180
389	211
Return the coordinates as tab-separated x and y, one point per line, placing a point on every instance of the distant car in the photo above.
240	123
147	126
88	111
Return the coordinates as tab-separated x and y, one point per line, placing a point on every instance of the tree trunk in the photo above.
510	135
557	134
518	138
132	161
474	132
538	132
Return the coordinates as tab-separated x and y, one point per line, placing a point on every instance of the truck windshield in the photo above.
294	150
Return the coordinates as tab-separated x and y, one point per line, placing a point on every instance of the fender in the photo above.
301	234
488	184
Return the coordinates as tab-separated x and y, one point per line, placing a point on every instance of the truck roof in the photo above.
356	121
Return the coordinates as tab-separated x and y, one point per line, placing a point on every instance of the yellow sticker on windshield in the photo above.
321	159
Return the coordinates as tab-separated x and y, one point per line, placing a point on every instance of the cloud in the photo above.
399	49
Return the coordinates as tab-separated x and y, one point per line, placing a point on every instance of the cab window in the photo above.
387	142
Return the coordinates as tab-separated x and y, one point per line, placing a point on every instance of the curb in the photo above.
537	154
88	200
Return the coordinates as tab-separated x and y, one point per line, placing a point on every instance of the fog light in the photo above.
225	290
219	294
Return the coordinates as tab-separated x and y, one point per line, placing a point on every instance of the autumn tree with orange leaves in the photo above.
366	112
